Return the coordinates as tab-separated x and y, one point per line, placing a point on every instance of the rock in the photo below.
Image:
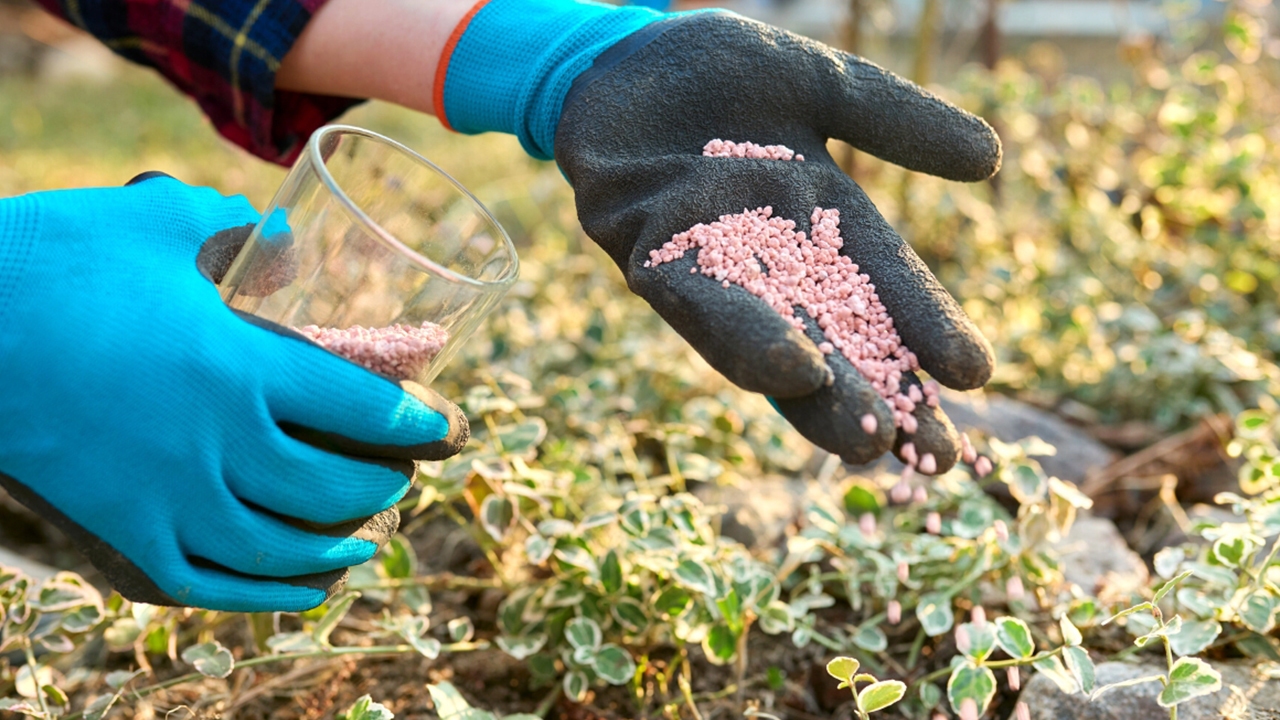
1009	420
36	570
1095	556
758	514
1248	693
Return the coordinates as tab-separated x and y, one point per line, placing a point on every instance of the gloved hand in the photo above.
629	97
196	457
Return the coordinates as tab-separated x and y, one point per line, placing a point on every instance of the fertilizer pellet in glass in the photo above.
400	351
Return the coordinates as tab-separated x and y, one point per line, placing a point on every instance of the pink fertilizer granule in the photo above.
901	491
928	464
933	523
729	148
1014	588
400	351
978	616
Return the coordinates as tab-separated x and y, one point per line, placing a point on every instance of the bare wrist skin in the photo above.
379	49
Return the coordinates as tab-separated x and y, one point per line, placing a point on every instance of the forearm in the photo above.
382	49
492	65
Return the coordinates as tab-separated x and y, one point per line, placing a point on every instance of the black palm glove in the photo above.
630	140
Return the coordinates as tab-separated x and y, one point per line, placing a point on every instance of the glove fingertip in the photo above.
787	367
980	144
935	435
847	419
966	363
455	430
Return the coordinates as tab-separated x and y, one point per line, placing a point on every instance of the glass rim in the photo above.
386	237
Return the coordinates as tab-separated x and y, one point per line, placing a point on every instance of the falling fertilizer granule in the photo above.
400	351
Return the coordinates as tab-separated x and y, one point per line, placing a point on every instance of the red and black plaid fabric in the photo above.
224	54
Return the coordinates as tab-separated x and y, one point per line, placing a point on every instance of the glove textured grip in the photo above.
19	228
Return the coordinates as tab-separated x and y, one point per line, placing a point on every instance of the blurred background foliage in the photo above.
1126	256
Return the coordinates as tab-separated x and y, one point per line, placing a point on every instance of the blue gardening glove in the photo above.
196	457
626	98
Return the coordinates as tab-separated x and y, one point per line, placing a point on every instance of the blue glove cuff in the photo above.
515	60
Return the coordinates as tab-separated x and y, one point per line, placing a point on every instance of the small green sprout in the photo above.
877	695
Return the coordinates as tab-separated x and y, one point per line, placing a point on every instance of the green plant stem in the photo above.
675	669
826	642
980	567
492	425
269	659
673	468
261	626
630	459
549	701
997	664
720	694
994	665
1168	658
740	667
492	383
35	675
482	539
686	689
916	646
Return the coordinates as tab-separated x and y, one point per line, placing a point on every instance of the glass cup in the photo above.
365	233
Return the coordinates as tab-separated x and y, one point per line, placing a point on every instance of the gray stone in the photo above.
1009	420
757	515
1248	693
1095	556
39	571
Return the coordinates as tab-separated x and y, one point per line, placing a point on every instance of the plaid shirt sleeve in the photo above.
224	54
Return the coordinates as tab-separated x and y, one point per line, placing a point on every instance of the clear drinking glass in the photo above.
365	232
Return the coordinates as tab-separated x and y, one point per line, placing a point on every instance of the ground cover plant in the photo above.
575	561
